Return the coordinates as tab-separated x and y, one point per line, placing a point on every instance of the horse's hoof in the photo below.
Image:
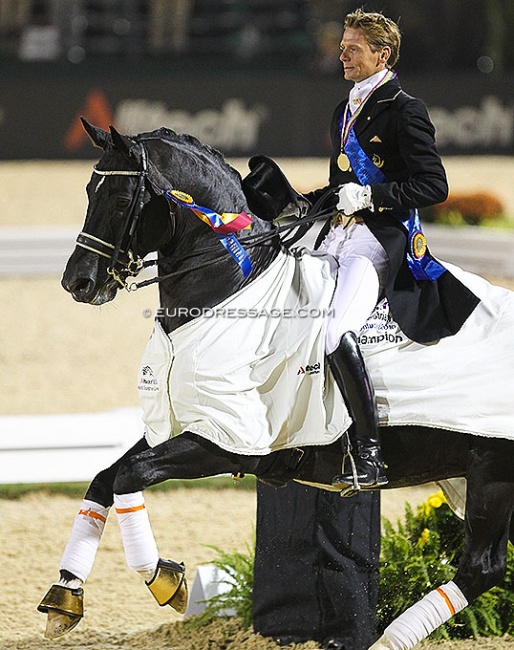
169	585
65	608
58	624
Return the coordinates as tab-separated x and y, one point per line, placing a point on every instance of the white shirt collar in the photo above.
361	89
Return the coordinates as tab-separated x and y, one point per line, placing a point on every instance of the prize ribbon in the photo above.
224	225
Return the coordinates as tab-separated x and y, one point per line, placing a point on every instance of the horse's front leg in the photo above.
64	601
489	509
185	456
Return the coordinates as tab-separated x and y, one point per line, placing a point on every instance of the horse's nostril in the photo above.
79	286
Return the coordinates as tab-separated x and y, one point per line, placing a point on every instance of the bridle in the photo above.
122	260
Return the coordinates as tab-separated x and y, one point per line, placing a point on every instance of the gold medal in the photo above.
343	162
419	245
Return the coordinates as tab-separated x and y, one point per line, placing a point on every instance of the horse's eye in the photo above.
122	203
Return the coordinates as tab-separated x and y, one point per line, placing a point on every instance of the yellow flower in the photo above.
423	538
434	501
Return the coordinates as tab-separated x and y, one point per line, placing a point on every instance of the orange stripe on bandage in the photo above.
93	515
124	511
448	601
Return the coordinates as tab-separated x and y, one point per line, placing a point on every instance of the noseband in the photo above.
122	260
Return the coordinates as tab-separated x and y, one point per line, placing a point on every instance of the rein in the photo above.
131	265
303	223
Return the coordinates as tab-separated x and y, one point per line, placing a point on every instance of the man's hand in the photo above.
354	197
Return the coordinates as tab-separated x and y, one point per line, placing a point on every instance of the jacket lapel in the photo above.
380	100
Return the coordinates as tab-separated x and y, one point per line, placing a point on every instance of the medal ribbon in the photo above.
224	225
421	264
347	121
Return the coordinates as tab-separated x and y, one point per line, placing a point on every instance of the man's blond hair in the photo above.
379	32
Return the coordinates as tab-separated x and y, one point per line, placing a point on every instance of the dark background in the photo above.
245	76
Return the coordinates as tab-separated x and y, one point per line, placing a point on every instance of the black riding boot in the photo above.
349	370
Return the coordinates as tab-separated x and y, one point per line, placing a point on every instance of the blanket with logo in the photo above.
250	374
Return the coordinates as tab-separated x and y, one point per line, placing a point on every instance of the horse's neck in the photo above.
204	281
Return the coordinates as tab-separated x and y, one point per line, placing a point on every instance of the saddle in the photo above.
268	191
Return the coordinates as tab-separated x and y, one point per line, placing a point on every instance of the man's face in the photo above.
358	59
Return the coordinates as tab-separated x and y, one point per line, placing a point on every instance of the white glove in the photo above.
354	197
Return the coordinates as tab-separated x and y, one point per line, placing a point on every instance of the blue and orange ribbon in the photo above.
224	225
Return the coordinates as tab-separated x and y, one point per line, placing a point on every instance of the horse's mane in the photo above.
189	142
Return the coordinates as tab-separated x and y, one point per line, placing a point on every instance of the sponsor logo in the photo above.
96	110
147	380
488	125
233	127
313	369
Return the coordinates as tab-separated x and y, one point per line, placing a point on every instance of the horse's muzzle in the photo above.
86	290
81	279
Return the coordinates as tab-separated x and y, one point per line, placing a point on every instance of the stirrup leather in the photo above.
169	585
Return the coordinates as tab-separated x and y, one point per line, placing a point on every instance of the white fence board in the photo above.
44	251
64	447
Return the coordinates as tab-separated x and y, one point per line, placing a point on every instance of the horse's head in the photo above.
137	205
116	236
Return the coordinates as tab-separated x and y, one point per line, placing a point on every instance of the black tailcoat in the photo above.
395	131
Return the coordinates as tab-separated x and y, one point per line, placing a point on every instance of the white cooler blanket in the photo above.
464	383
250	375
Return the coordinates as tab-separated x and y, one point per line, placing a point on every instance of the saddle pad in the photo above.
249	375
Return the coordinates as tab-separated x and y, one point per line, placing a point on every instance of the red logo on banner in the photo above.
97	111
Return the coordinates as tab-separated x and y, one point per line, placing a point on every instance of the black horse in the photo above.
129	215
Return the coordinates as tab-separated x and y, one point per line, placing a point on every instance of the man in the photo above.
384	166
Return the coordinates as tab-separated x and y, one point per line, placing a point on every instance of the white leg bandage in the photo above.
423	618
86	532
136	533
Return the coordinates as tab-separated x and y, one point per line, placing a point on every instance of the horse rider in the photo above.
384	166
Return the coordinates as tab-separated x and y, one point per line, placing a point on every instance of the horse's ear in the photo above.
121	142
99	137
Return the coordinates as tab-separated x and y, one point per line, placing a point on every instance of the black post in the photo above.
316	566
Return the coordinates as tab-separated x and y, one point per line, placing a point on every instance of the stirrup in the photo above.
169	585
65	608
349	486
347	489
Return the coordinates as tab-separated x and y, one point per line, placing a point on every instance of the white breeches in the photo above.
360	279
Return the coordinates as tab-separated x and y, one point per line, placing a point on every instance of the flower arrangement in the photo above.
423	553
477	208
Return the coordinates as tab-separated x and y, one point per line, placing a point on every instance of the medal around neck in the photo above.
343	162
